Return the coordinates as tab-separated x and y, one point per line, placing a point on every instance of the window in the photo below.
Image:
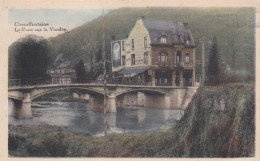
123	45
188	40
163	39
163	58
177	78
123	60
145	42
133	59
146	58
187	58
179	37
133	44
178	57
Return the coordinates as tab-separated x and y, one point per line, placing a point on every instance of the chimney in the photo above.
113	37
140	18
186	25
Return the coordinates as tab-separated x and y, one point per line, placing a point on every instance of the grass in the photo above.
219	122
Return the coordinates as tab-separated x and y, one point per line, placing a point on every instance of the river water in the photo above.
77	116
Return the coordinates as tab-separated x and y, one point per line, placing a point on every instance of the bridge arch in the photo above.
90	91
15	98
15	95
144	90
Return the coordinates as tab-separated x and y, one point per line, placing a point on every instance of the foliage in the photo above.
215	66
14	141
233	26
210	128
80	72
30	58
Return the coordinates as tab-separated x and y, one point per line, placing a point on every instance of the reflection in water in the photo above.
78	116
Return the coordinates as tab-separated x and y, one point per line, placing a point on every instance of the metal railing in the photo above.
40	81
28	82
64	81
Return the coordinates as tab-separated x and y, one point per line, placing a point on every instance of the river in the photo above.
77	116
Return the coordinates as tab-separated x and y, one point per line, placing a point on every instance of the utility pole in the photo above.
105	77
202	62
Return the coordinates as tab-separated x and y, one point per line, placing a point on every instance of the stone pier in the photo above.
167	101
111	104
22	109
141	99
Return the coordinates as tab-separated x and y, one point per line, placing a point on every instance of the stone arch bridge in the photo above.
117	95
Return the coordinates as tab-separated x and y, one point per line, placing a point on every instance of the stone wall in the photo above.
174	99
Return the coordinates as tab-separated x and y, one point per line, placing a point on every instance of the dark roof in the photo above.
66	64
130	72
175	32
60	63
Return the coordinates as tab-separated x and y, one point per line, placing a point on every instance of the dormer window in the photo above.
163	39
188	40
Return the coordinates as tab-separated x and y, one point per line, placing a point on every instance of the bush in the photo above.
239	78
14	141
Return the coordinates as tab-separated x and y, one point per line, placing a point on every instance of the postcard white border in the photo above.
100	4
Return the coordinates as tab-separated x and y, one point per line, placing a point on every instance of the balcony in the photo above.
179	64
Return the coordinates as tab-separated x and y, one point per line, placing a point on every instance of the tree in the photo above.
30	57
89	46
215	65
80	71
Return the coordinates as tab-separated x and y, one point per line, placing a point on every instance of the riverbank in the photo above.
219	122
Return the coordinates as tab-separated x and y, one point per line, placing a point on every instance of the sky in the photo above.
67	19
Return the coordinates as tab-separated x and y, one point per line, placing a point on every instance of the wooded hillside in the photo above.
233	27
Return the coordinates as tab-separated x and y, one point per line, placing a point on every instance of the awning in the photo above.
131	72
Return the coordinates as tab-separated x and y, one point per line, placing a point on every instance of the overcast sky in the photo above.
67	19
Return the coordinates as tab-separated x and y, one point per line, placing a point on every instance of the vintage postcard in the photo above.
121	79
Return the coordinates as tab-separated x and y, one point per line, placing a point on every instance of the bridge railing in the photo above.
48	81
69	80
120	82
28	82
53	81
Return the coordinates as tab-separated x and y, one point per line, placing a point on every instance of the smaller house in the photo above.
65	72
